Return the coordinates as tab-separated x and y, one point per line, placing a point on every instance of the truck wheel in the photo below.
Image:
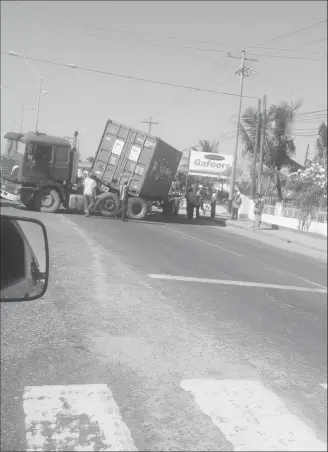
137	208
47	200
109	205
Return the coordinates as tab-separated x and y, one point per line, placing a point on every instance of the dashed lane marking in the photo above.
203	241
252	417
236	283
74	417
290	274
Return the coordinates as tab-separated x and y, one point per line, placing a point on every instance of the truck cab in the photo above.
46	171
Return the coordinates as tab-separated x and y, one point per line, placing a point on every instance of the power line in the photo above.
310	112
287	50
310	118
184	95
186	47
223	137
130	77
287	57
176	38
314	42
291	33
84	25
150	123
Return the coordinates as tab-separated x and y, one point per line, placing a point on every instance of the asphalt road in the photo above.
189	337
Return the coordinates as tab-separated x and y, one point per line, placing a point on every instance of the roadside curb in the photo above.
265	233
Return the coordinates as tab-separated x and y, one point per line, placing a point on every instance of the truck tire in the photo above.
47	200
137	208
109	205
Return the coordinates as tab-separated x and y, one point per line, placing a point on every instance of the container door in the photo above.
138	160
110	151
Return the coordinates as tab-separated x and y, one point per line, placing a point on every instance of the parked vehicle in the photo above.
47	174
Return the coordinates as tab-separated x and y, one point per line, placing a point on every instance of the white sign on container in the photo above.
134	154
118	146
209	164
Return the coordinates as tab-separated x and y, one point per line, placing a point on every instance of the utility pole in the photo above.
306	155
243	71
256	145
150	122
263	122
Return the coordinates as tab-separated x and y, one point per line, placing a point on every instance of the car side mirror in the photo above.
24	257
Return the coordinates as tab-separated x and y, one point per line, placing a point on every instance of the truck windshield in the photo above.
14	147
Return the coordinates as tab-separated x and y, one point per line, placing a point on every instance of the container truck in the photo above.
47	174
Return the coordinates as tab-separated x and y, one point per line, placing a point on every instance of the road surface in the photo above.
166	337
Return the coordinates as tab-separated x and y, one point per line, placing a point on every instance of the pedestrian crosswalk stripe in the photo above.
252	417
75	418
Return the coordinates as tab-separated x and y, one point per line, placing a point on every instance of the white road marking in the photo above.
290	274
251	417
203	241
74	417
324	385
240	255
235	283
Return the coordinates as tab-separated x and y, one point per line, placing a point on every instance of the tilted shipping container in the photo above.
127	153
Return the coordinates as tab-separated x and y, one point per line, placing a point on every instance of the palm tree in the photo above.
279	147
207	146
321	146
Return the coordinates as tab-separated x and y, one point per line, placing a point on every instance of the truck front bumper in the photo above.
10	191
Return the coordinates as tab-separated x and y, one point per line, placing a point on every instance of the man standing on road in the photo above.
200	201
236	205
191	200
124	189
89	194
214	199
258	208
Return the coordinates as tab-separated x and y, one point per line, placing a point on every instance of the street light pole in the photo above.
38	106
14	123
40	91
22	114
41	80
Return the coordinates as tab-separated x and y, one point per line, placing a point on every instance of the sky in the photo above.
182	43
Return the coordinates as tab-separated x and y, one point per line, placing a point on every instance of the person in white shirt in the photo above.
124	191
89	194
214	199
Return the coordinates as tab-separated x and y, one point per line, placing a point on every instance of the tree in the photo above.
279	147
309	187
90	159
207	146
321	146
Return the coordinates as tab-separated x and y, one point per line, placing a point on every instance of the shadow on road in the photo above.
153	218
182	219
